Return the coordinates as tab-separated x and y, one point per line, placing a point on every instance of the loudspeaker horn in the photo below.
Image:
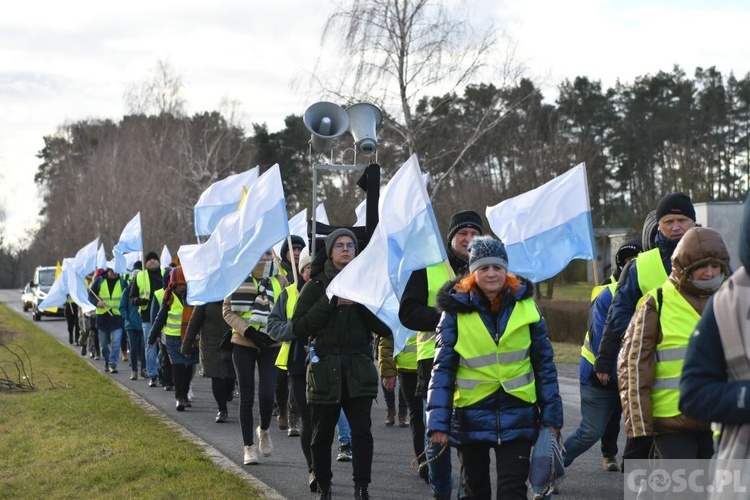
326	122
364	120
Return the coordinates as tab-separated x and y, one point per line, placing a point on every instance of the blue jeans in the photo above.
439	469
137	351
152	355
343	429
597	407
110	342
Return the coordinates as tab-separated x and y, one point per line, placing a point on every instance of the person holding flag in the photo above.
417	312
341	372
246	310
494	380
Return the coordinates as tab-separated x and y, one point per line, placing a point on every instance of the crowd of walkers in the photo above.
478	375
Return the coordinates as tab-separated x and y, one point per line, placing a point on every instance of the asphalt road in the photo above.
284	474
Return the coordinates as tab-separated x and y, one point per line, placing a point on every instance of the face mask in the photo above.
710	285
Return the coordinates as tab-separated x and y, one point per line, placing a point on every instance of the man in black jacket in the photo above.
417	312
141	295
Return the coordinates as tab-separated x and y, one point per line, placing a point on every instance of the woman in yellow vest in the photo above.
494	381
246	311
650	361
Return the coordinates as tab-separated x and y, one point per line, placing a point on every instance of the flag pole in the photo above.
294	264
594	261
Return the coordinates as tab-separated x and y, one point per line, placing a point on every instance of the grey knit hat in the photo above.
484	251
338	233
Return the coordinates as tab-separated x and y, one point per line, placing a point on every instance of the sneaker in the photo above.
143	373
221	417
179	404
610	464
293	431
97	357
345	453
152	382
402	421
83	350
133	375
168	387
264	441
106	367
113	370
251	455
312	483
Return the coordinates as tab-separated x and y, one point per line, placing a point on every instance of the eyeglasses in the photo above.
341	246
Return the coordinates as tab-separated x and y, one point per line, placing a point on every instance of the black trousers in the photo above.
324	418
684	445
71	318
408	386
222	389
298	386
512	462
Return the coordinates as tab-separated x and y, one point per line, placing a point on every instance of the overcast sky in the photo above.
66	61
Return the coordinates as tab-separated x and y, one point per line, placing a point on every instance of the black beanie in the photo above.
151	255
630	248
338	233
462	219
675	204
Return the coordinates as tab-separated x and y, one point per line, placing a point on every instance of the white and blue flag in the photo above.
406	239
214	269
547	227
220	199
131	241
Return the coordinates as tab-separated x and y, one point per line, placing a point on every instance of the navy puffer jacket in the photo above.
499	417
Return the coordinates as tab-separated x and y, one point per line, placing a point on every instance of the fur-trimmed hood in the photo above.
450	300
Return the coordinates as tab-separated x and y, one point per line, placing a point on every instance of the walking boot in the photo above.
390	416
361	493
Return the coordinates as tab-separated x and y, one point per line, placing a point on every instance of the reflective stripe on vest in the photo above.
586	352
111	300
484	366
143	282
174	318
282	359
437	276
677	319
407	358
651	272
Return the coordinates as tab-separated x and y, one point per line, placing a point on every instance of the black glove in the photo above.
140	302
261	340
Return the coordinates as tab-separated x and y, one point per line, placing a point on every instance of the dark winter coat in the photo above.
500	416
705	390
207	321
342	338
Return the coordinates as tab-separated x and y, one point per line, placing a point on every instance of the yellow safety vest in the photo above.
159	296
144	286
651	272
111	300
276	286
437	276
485	366
407	358
677	319
586	351
174	318
282	359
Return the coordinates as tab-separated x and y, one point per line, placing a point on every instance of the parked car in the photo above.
44	277
27	297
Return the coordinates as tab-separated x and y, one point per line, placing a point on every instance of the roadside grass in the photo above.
575	291
566	353
81	434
